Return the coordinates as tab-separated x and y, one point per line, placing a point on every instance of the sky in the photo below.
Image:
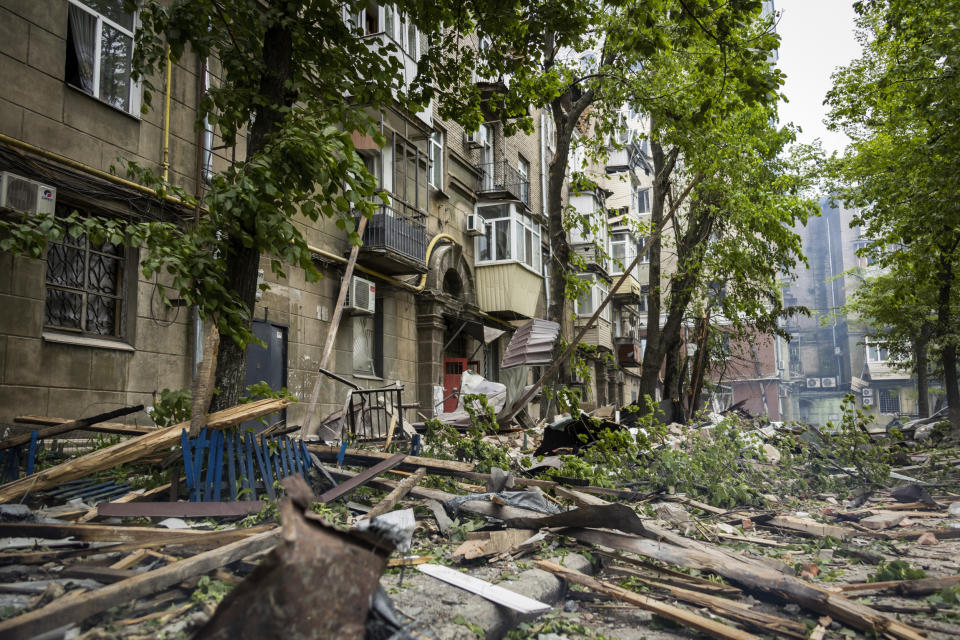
817	36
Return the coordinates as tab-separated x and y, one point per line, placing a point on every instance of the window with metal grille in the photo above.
889	401
84	286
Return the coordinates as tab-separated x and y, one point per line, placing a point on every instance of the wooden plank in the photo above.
345	488
484	589
364	457
676	614
106	533
68	610
113	428
132	449
65	427
131	560
738	611
919	587
810	528
106	575
179	509
395	496
130	497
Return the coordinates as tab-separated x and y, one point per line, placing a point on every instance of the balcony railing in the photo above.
500	177
396	238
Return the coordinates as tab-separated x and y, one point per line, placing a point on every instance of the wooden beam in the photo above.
395	496
132	449
333	327
179	509
364	457
69	609
130	497
678	615
755	575
65	427
107	533
113	428
345	488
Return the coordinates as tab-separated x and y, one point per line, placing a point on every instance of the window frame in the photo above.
136	89
599	290
436	142
875	347
643	196
376	344
888	401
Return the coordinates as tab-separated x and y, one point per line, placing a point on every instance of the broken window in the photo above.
436	160
100	52
84	285
889	401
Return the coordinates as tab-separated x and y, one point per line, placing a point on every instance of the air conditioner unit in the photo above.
867	401
476	225
828	383
360	296
477	139
26	195
867	392
813	383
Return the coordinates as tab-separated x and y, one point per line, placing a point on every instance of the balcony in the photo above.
395	240
630	292
508	290
500	179
599	335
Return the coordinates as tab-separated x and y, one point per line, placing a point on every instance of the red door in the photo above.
453	369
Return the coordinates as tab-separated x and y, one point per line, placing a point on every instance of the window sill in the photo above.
129	114
86	341
367	376
497	263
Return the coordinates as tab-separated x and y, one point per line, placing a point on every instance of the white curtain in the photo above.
83	29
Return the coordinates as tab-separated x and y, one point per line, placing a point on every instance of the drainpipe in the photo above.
166	120
545	269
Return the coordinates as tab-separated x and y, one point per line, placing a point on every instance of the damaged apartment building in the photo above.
447	269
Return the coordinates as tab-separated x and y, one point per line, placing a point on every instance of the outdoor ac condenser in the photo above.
26	195
360	296
813	383
476	226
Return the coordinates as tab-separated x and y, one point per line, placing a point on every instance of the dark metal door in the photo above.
268	364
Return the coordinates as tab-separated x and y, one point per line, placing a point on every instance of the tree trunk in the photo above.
243	263
949	351
653	355
921	354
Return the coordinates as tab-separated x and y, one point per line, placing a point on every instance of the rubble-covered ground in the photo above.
868	519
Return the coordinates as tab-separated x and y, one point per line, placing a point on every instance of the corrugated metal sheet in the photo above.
531	344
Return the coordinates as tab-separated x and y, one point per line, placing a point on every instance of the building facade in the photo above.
459	248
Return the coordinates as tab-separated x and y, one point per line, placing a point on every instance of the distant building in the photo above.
829	355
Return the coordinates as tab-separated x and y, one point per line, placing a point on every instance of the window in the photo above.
550	131
643	201
523	168
368	342
622	252
644	295
436	160
405	171
889	401
100	52
509	236
876	352
590	300
641	243
85	286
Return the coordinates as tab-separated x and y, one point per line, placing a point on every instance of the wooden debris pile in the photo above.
815	565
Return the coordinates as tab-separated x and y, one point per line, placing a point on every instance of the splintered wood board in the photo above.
482	588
